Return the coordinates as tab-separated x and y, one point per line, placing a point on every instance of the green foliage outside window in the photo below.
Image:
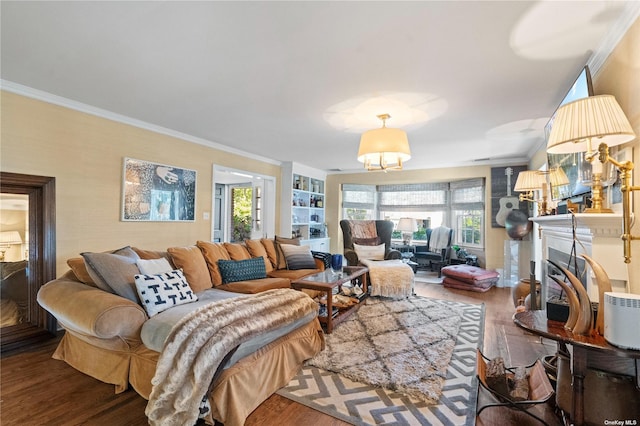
242	209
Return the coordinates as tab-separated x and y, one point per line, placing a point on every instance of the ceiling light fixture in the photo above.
384	148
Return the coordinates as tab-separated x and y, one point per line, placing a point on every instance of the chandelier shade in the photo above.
597	118
384	148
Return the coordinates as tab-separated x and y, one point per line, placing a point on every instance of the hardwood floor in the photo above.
38	390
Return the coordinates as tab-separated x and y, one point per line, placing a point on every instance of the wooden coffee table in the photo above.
326	282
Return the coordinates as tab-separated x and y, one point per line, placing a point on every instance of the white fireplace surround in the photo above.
598	236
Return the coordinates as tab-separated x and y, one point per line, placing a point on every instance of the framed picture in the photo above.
157	192
503	198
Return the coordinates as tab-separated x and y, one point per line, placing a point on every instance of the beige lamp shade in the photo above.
8	238
529	180
557	177
384	148
587	121
407	224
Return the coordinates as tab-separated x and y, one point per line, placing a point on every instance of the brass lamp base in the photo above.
597	196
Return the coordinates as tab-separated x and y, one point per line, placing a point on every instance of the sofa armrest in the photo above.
351	256
393	254
91	311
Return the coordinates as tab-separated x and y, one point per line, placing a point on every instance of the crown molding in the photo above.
611	40
40	95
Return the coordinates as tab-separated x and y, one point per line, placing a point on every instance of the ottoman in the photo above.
467	277
389	278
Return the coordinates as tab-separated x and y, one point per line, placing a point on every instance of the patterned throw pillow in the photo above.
163	291
242	270
369	252
298	257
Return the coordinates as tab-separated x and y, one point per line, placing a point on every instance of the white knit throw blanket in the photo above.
198	343
390	278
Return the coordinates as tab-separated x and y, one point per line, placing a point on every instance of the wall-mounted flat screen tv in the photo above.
570	162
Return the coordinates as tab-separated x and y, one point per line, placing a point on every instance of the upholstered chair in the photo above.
437	252
384	229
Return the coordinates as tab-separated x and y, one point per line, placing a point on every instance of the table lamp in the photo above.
579	124
408	226
597	119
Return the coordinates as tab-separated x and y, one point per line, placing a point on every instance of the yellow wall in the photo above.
620	76
494	237
85	154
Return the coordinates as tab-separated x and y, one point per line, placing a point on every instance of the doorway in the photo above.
27	223
243	205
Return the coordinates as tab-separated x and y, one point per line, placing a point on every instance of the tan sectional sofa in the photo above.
104	331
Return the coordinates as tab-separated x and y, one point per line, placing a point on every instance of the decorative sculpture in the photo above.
604	285
574	304
584	322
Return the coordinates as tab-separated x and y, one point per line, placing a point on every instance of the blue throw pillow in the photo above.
242	270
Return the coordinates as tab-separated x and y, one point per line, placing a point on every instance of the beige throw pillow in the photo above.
369	252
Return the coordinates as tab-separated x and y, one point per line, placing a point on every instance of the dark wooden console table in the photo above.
585	348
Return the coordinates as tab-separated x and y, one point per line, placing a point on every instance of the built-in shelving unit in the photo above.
303	216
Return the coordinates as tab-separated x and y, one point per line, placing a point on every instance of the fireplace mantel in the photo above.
597	235
596	224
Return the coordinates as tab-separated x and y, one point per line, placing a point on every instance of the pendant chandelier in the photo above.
384	148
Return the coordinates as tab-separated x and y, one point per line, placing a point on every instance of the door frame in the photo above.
42	256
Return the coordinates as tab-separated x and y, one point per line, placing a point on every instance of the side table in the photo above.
326	282
586	351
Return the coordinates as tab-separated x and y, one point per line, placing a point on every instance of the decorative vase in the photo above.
336	263
522	290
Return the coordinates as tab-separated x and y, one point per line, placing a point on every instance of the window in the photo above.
459	205
467	207
358	202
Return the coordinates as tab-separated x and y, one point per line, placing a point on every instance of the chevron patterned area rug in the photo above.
360	403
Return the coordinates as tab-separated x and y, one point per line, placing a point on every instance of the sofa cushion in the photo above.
298	257
257	249
152	254
370	252
191	261
159	292
154	266
256	286
281	260
212	253
469	274
114	272
79	269
242	270
237	251
272	251
293	275
480	286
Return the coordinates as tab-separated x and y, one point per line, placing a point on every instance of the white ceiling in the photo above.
269	78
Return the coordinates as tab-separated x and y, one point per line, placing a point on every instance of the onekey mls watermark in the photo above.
628	422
